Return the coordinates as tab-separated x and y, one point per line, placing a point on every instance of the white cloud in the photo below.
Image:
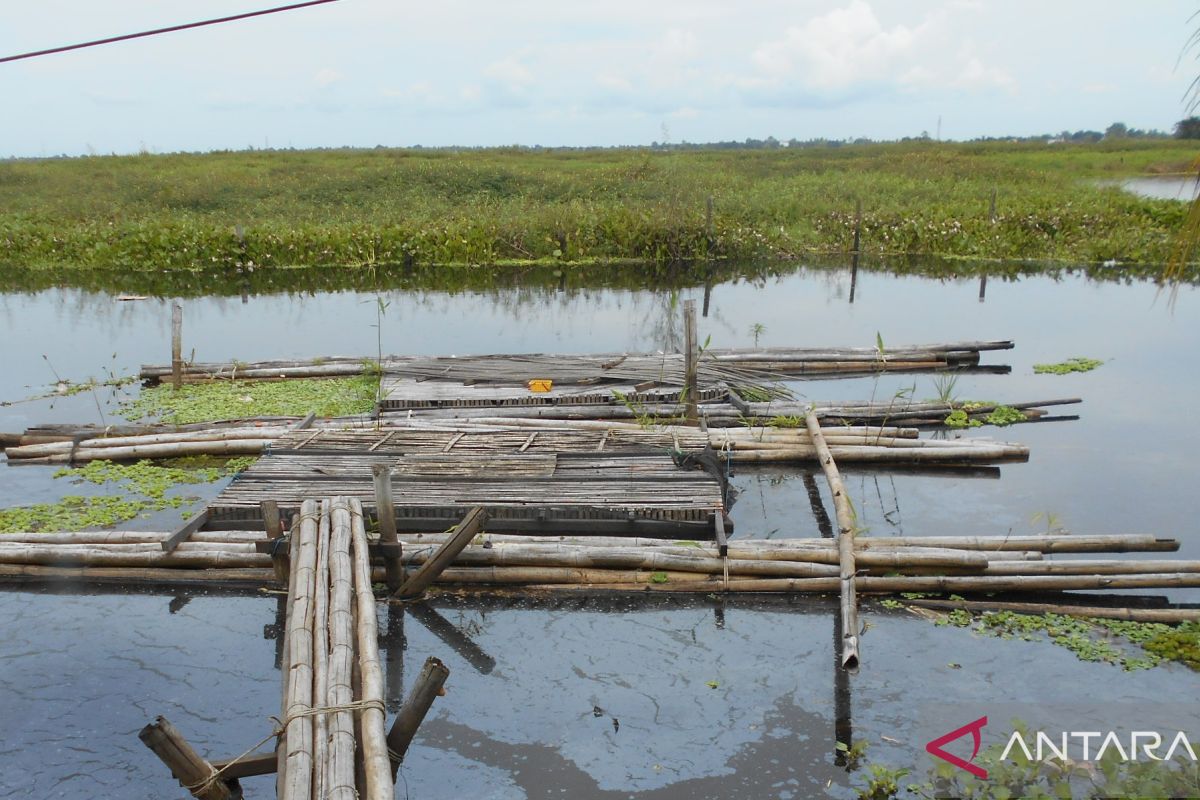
848	49
832	51
327	77
510	72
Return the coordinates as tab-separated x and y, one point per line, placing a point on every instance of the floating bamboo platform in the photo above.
669	368
883	564
866	444
586	492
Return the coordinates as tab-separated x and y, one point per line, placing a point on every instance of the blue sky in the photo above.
368	72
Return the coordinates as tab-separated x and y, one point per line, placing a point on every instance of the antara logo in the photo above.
934	748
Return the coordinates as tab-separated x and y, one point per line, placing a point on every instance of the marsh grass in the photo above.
502	206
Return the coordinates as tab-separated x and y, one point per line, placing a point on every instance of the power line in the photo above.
171	29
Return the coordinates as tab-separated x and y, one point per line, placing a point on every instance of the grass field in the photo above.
421	207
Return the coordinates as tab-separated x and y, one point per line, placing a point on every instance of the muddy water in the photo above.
655	698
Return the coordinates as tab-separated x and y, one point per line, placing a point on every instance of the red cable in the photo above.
171	29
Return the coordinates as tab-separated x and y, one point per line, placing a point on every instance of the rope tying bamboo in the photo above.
280	726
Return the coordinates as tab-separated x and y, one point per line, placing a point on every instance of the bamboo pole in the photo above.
845	540
232	447
285	661
376	765
339	764
128	556
321	651
404	728
1167	616
299	766
212	435
189	768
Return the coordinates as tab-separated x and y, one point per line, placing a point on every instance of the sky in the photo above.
554	72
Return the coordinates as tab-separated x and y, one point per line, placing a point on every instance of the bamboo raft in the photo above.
715	365
585	492
883	565
331	740
870	444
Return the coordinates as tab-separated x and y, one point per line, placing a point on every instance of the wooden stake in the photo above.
274	524
691	356
176	346
427	688
192	771
385	510
845	540
416	585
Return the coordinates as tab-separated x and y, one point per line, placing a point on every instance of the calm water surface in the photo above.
632	697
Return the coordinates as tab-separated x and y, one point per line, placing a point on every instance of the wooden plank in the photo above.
719	534
307	422
193	524
424	577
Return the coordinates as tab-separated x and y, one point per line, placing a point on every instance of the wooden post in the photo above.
856	250
192	771
176	345
274	525
385	510
691	355
845	539
982	287
992	207
421	580
427	688
709	238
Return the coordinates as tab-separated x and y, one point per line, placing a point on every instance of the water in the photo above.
1172	187
632	697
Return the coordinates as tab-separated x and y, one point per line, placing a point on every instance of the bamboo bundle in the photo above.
334	699
218	447
924	413
892	585
211	435
132	555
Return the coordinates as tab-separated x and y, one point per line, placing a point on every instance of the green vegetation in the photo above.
1000	416
1077	364
201	402
958	419
1101	640
141	488
362	208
